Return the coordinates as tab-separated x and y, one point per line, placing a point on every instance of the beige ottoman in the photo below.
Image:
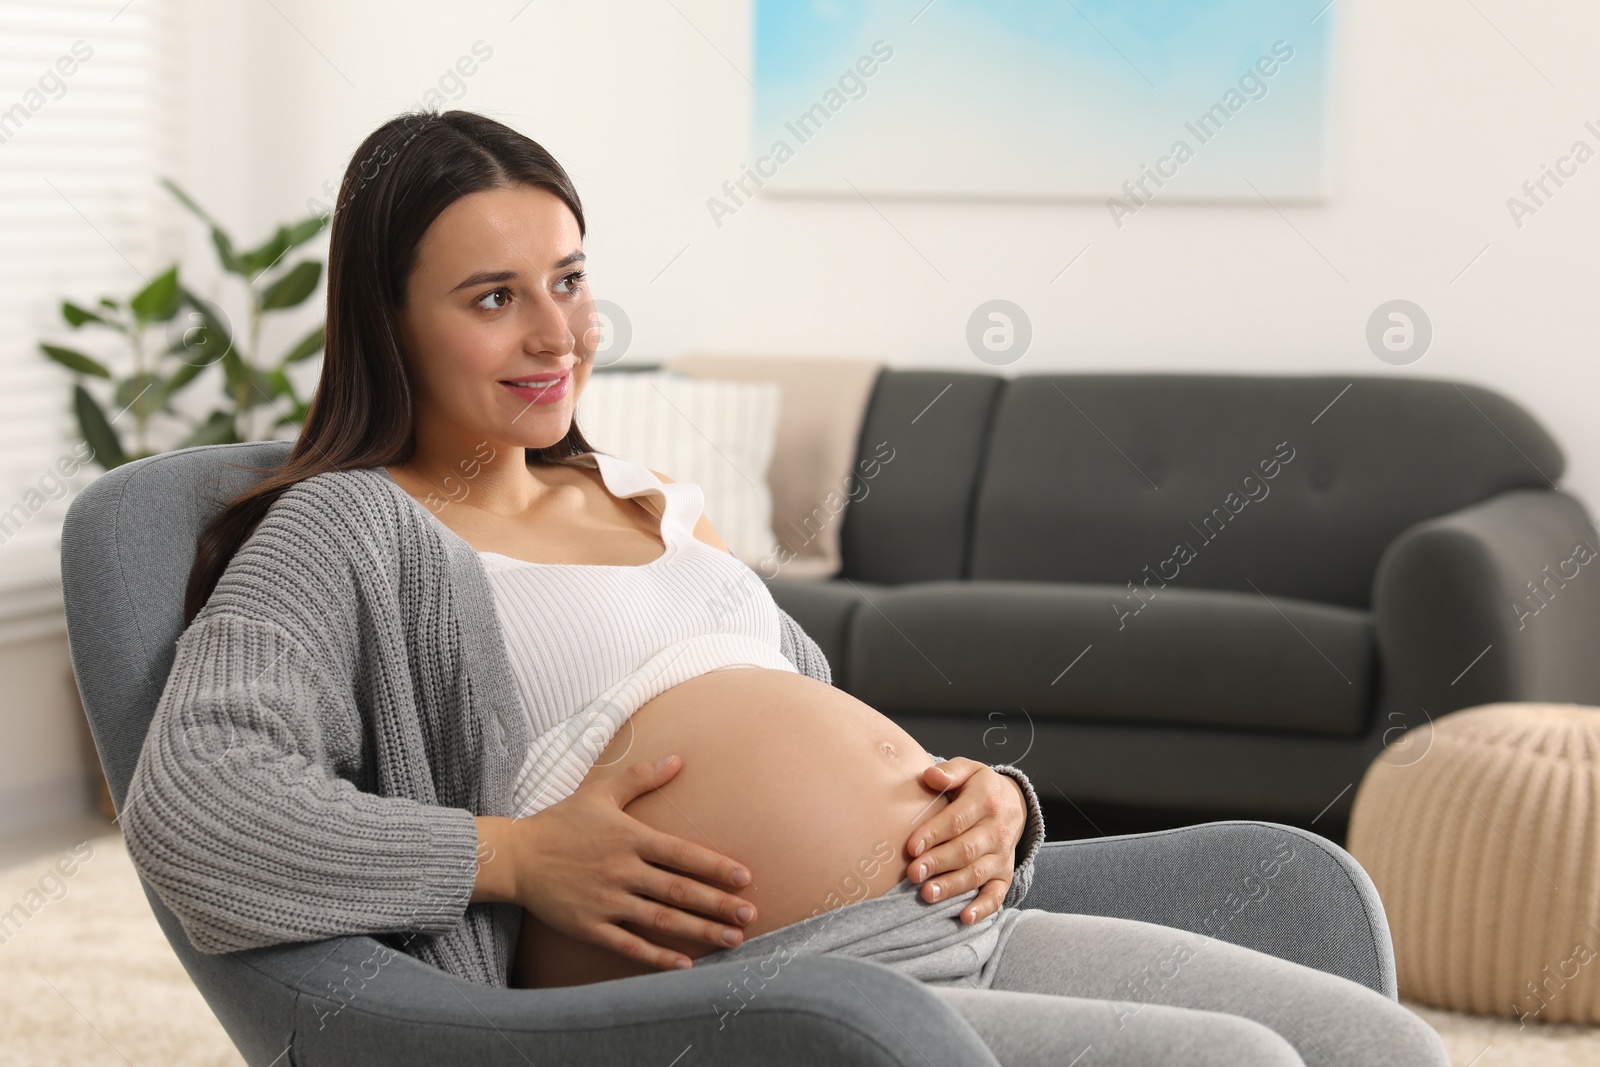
1484	842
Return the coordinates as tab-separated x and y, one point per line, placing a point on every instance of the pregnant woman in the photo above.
455	678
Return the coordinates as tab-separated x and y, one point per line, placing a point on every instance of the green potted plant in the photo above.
193	335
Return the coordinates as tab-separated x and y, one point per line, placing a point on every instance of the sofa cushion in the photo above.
717	434
1095	478
815	474
926	432
1054	650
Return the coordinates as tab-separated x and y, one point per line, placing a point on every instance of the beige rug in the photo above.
87	978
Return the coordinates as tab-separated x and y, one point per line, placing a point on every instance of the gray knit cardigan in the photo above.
336	715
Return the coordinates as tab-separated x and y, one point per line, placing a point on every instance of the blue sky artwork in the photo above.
1157	100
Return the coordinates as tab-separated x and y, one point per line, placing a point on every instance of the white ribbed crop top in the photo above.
589	644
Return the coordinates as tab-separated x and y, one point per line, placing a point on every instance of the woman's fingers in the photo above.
959	817
689	902
951	774
681	854
985	796
965	808
634	947
640	778
962	864
987	902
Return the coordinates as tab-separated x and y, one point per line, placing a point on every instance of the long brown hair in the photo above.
401	177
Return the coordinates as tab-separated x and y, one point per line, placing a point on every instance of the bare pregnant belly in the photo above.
815	792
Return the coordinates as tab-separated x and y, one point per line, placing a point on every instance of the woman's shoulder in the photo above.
341	492
357	511
326	546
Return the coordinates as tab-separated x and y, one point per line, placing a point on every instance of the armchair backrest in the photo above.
127	544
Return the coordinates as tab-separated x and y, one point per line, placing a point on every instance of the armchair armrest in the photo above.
1495	602
1273	888
806	1011
354	1000
348	1000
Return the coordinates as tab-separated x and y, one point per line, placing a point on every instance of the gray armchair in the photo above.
127	545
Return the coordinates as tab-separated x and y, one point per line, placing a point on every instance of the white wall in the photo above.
1442	110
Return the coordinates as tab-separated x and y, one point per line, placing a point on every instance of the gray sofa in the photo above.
127	545
1362	557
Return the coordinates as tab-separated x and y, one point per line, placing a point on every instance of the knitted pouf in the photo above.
1483	840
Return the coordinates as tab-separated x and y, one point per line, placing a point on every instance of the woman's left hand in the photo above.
975	836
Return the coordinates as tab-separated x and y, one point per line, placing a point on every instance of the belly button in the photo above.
887	748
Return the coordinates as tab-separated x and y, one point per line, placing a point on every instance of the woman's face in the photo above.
498	294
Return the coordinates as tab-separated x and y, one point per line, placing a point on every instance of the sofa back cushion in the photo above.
920	451
1283	485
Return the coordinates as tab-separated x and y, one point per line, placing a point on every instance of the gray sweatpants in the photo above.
1046	989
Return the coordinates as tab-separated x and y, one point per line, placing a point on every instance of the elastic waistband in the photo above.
899	929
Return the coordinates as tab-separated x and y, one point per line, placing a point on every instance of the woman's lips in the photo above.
540	395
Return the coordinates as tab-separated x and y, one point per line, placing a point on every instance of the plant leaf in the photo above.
204	342
225	253
97	432
292	288
187	201
75	361
158	301
106	301
185	374
238	380
305	348
295	418
142	393
219	237
76	316
266	255
218	429
281	385
304	230
267	386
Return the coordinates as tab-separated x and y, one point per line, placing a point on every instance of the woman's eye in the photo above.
576	280
490	293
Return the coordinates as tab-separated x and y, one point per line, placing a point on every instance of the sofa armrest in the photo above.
1266	886
1495	602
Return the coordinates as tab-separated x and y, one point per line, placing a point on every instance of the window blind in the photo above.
87	124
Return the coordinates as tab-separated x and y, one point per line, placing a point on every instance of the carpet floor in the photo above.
87	978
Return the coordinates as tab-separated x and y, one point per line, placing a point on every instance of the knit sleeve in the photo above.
799	648
1032	836
238	819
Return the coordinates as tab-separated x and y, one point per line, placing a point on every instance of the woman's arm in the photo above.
236	818
798	648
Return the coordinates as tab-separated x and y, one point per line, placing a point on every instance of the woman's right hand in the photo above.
584	866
